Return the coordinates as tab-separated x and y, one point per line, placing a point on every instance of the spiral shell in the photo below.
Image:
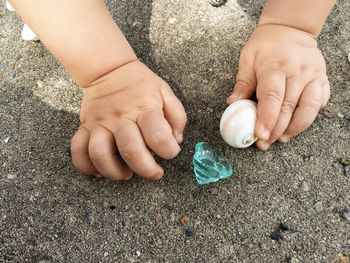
237	124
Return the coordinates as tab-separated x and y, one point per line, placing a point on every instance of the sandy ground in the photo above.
51	213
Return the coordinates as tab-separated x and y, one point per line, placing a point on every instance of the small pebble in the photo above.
293	260
105	204
2	65
327	114
11	176
344	161
87	219
40	84
342	258
339	169
276	235
172	20
184	220
158	217
347	171
305	186
217	3
318	207
4	140
346	215
340	115
105	254
284	226
189	232
138	253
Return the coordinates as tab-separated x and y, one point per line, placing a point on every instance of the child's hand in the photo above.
127	111
288	72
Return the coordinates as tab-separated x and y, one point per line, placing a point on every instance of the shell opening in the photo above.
249	139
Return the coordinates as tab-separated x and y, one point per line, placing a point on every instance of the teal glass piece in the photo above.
210	165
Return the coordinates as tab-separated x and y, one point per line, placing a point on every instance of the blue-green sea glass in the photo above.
210	165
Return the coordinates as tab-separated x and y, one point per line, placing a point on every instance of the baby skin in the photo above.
127	110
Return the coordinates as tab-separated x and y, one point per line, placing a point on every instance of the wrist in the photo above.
308	16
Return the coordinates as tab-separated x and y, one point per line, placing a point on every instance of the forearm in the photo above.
306	15
81	34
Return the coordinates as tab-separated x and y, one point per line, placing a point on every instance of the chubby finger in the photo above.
158	134
103	154
308	107
134	152
245	80
174	113
80	152
294	88
270	93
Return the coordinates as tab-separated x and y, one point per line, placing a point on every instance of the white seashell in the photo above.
9	6
28	34
237	124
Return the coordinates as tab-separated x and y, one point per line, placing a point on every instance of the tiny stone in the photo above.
138	253
327	114
342	258
293	260
347	171
40	84
276	235
340	115
105	204
158	217
217	3
105	254
346	215
184	220
11	176
344	161
284	226
4	140
172	20
318	207
214	191
87	219
305	186
338	168
189	232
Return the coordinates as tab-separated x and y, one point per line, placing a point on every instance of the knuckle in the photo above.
288	106
314	104
242	83
160	138
97	152
273	95
129	151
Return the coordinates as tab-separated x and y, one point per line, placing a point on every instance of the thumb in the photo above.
245	80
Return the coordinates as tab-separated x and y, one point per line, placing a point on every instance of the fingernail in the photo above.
179	138
284	138
98	175
233	96
158	176
264	135
263	146
129	177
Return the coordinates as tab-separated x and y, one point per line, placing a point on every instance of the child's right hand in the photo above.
127	111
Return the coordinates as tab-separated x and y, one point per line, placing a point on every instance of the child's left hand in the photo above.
288	72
